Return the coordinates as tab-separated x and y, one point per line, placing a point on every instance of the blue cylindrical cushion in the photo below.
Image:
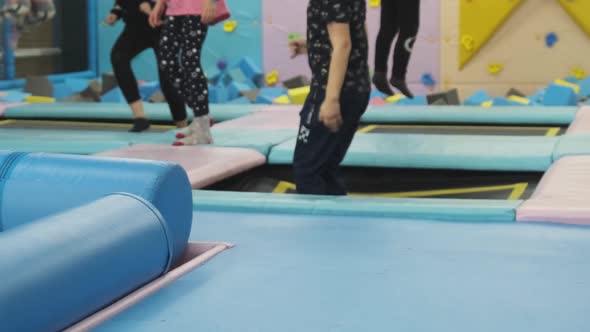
63	268
37	185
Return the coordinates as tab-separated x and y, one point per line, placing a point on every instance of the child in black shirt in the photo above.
138	36
337	48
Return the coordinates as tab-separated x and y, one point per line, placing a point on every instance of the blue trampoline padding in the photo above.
65	267
54	183
117	111
114	111
464	152
256	139
59	146
468	114
572	145
404	208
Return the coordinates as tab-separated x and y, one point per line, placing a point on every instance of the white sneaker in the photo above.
199	133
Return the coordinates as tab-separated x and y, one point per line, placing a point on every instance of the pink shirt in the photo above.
183	7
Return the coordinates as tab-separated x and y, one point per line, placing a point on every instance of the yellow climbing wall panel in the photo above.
579	10
479	20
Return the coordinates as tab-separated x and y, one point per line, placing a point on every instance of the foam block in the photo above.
282	100
113	96
538	96
235	89
252	71
39	86
60	182
273	92
377	94
575	87
298	95
377	101
157	97
218	94
417	100
296	82
584	87
95	253
477	98
234	75
263	99
571	79
62	91
76	84
14	96
505	102
514	92
559	95
109	82
146	90
251	94
240	100
213	75
450	97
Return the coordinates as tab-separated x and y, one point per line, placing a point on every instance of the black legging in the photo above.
397	16
131	43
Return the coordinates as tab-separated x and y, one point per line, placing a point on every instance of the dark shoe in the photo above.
402	87
139	125
380	81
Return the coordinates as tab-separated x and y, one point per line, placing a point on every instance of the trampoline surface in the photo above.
395	183
76	126
319	273
496	130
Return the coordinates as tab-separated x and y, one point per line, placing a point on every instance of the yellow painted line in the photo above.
552	132
83	124
5	122
367	129
518	190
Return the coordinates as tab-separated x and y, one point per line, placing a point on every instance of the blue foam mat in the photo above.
572	145
498	153
469	114
116	111
408	208
351	274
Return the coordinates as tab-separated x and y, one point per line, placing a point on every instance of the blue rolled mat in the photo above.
63	268
37	185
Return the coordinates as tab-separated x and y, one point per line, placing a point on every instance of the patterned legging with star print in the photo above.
180	59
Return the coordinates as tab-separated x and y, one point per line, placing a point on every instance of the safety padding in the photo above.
581	124
38	185
251	138
462	152
113	111
562	196
65	267
572	145
467	114
403	208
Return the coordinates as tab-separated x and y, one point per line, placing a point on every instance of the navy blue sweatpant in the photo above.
319	152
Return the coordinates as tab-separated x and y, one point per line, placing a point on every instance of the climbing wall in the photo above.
529	44
280	18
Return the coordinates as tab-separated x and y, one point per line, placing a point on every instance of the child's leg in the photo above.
387	31
127	47
173	97
194	88
409	18
319	152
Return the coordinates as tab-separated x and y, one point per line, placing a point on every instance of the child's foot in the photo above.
402	87
380	81
189	131
139	125
200	132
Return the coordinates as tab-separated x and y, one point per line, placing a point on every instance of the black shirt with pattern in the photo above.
320	13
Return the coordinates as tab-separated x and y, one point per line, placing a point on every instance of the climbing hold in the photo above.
468	42
495	68
230	26
579	73
551	39
428	80
282	100
295	35
374	3
272	78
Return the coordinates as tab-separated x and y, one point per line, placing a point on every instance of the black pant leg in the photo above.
388	28
409	24
129	44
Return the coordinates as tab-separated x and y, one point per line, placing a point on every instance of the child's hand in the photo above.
145	8
111	19
209	12
156	14
330	115
297	47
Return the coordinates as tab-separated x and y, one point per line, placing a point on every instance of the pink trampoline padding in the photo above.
581	124
282	108
195	255
287	118
563	195
204	165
